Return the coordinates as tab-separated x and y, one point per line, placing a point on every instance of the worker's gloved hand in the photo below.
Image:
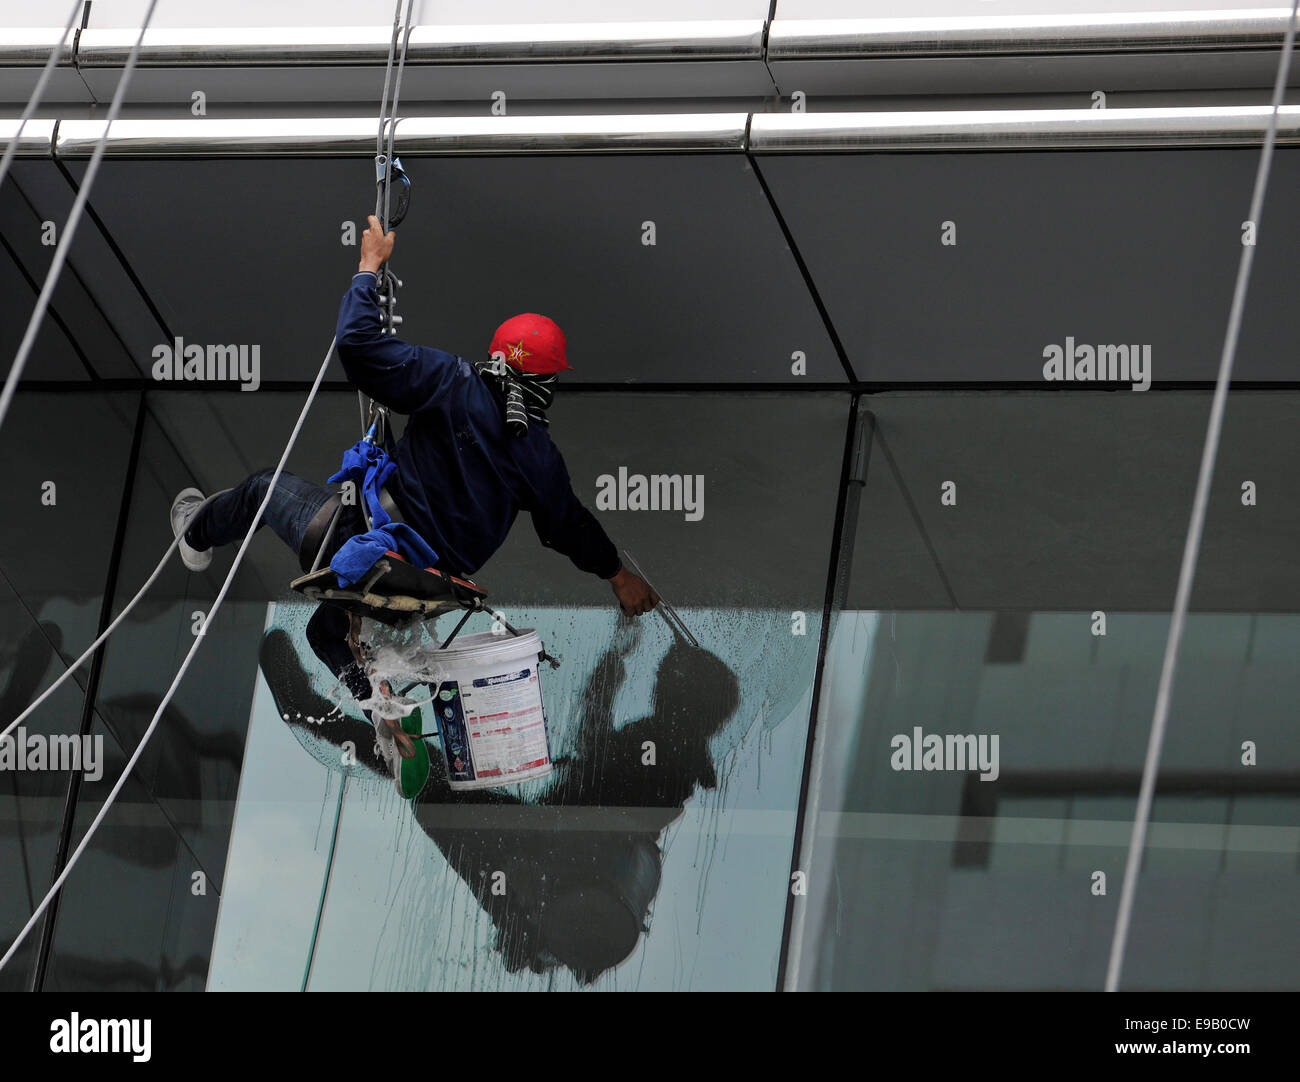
376	246
633	593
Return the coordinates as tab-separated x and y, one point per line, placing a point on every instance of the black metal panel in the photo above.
1136	247
55	543
1077	502
770	465
53	357
62	342
250	252
95	299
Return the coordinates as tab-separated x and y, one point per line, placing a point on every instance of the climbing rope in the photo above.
185	664
24	351
373	415
70	226
1195	529
106	632
37	93
384	158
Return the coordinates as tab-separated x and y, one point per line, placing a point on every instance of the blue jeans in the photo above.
292	506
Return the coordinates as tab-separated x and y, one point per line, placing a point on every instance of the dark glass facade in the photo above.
932	590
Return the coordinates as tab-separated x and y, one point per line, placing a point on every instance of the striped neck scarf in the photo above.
527	395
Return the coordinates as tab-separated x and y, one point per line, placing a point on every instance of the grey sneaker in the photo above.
184	507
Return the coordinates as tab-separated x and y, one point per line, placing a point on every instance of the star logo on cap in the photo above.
517	352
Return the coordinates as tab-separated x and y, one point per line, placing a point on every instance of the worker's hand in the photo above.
633	592
627	633
376	246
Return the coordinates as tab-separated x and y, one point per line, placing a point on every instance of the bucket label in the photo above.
451	728
506	725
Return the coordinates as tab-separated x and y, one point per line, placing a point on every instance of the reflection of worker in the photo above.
581	865
475	452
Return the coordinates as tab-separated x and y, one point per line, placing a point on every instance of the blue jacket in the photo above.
461	477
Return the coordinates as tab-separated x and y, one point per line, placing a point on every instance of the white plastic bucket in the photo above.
489	710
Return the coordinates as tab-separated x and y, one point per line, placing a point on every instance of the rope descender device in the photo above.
389	170
392	201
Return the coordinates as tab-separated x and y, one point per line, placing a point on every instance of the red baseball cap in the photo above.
531	343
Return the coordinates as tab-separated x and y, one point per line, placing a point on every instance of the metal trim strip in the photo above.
1023	35
731	39
297	137
1020	129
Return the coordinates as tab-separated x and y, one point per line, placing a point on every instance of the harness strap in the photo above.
387	502
320	531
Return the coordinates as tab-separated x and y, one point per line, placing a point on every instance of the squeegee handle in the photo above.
668	612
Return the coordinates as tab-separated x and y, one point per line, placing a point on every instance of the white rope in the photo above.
392	111
364	404
70	226
126	611
6	398
37	93
1191	550
180	674
106	632
93	646
385	280
388	80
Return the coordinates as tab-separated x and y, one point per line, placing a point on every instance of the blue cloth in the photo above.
368	466
359	553
461	478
